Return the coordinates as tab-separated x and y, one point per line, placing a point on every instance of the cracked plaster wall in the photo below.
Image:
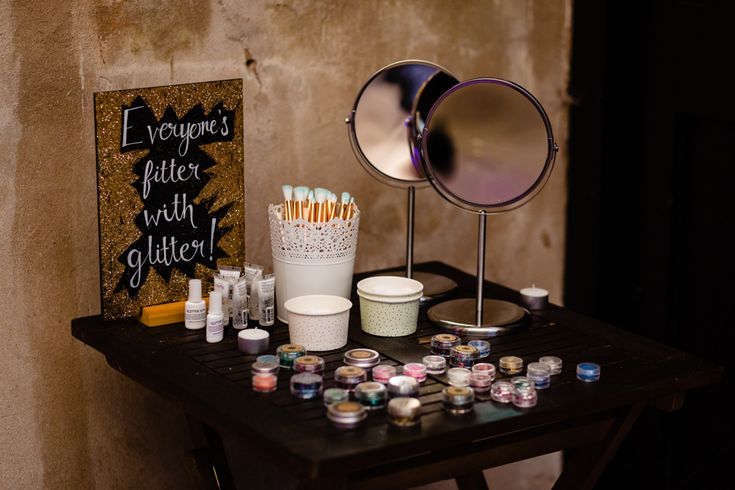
67	420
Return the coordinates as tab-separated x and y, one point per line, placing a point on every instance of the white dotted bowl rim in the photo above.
390	286
390	300
318	305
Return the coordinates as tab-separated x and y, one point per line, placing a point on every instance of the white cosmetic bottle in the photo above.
215	318
195	309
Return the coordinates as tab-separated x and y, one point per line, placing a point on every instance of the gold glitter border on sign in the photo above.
119	203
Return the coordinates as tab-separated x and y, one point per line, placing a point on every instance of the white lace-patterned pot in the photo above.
389	305
319	322
311	258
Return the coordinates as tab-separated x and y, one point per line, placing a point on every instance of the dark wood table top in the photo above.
212	383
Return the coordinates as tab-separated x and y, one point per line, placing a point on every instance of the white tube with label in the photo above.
195	309
240	304
215	318
266	288
252	274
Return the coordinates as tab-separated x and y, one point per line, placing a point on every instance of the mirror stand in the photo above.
478	316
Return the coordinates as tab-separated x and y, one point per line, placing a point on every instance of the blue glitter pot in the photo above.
371	395
306	386
267	358
540	374
335	395
481	345
287	353
588	371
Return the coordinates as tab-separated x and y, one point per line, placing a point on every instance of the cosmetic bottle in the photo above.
195	309
215	318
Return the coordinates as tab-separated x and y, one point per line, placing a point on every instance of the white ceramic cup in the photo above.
319	322
389	305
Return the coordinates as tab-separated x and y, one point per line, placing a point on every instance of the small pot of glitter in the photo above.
415	370
480	381
524	397
346	415
364	358
383	372
287	353
267	358
502	392
510	365
347	377
306	386
442	343
521	382
264	382
264	367
309	364
459	376
403	386
404	411
588	371
554	363
463	356
540	374
458	400
335	395
435	364
371	395
485	367
481	345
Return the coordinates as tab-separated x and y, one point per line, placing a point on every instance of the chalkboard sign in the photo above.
170	190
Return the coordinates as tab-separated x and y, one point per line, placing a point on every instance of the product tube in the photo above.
231	274
266	300
240	304
252	273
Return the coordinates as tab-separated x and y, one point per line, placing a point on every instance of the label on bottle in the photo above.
215	328
195	315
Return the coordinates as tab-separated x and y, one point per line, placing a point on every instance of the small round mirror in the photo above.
487	145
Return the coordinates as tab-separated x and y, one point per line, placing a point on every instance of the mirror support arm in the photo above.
409	231
481	235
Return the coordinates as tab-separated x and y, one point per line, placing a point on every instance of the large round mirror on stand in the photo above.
487	147
384	125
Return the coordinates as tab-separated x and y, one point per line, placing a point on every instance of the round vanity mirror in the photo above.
384	125
487	147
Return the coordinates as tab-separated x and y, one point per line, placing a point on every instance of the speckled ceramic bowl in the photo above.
389	305
319	322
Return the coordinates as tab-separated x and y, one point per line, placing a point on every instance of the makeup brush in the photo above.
300	194
344	204
287	201
332	205
321	197
311	208
350	208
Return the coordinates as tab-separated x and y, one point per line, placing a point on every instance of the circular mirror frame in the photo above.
519	200
357	150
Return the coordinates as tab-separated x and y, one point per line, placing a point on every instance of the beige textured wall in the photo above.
67	420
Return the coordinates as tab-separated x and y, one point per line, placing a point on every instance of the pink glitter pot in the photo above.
484	367
502	392
525	397
383	372
480	382
415	370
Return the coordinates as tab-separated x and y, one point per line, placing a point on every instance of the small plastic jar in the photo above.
525	397
309	364
403	386
435	364
588	371
335	395
480	382
264	382
267	358
364	358
521	382
553	363
371	395
481	345
511	365
459	376
485	367
288	352
442	343
502	392
265	367
383	372
458	400
463	356
415	370
404	411
346	415
306	386
540	374
347	377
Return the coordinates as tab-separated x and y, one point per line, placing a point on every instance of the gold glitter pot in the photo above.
347	377
442	343
287	353
510	365
404	411
346	415
308	364
364	358
464	356
458	400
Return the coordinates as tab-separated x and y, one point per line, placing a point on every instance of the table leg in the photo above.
210	460
583	465
473	481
